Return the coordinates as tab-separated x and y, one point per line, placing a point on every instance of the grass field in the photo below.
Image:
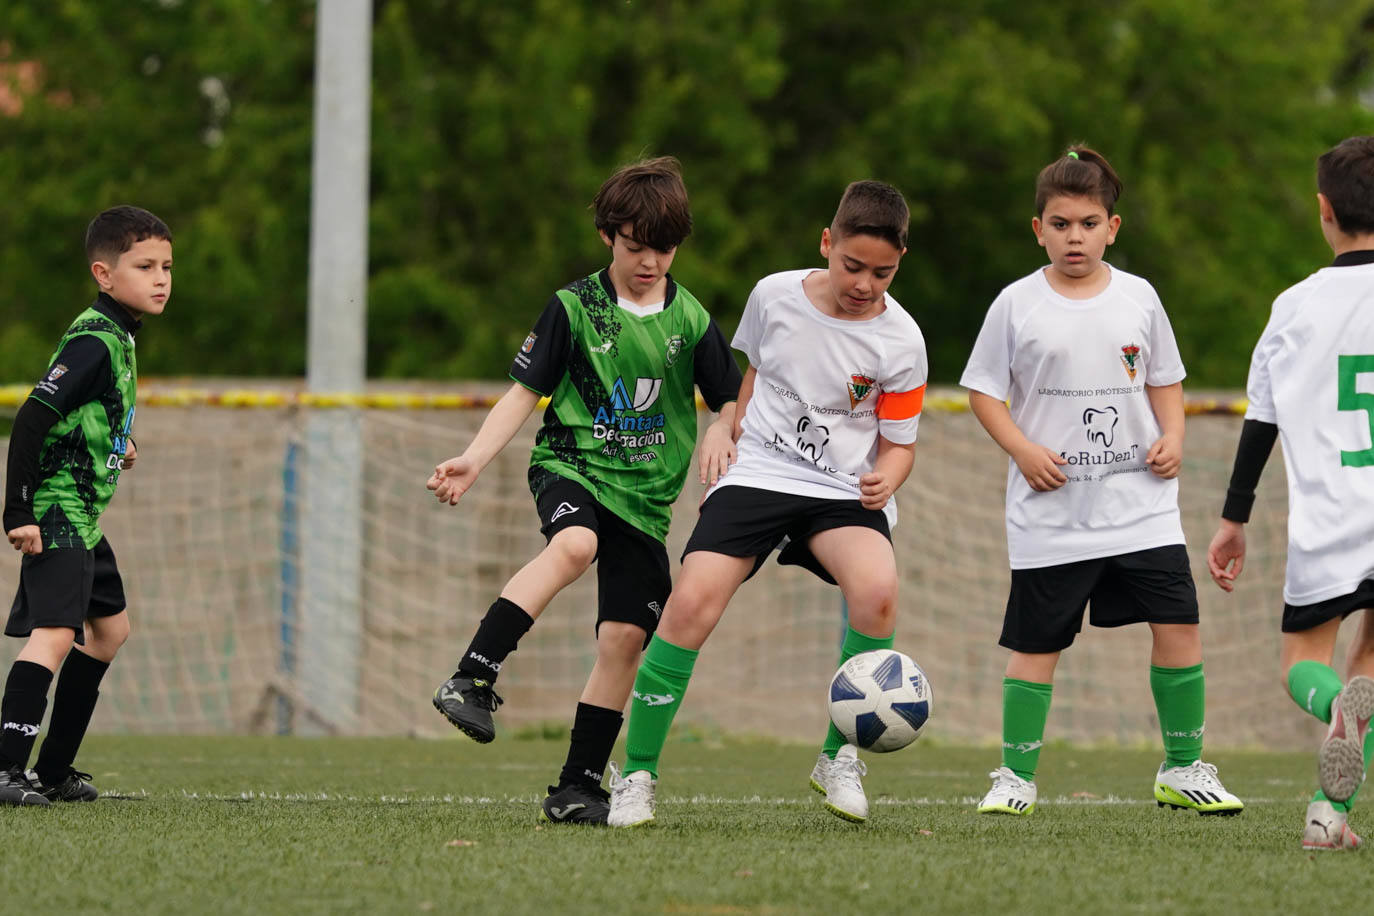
278	825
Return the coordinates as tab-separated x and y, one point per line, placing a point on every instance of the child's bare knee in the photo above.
576	547
618	640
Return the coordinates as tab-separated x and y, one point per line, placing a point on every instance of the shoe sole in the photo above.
38	801
480	737
647	820
1215	812
846	815
1168	797
1340	762
1011	811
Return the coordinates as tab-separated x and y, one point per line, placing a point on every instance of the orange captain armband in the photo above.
901	405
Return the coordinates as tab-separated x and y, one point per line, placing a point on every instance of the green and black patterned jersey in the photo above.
91	384
622	418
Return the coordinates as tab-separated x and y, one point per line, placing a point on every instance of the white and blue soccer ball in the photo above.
880	700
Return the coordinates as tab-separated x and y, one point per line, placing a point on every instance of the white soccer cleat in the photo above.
1340	762
1195	786
840	781
1010	794
632	798
1326	828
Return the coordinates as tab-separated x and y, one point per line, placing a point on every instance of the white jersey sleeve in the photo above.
903	390
989	365
749	334
1164	360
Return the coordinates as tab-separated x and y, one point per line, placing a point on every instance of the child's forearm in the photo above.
996	419
894	461
502	423
1167	403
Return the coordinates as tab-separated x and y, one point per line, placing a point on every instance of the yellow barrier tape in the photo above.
277	399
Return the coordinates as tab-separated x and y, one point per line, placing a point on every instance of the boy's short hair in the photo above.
1080	172
650	196
118	229
873	208
1345	175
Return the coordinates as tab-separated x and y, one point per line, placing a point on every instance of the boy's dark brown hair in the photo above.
1080	172
650	196
1345	174
873	208
118	229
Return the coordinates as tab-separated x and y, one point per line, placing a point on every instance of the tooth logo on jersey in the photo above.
1129	354
528	345
646	392
860	387
673	349
811	438
1101	425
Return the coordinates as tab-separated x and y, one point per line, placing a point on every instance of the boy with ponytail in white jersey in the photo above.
1086	357
1309	384
829	409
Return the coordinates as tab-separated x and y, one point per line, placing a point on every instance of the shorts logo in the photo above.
860	387
1129	354
528	345
811	438
562	510
656	608
1101	425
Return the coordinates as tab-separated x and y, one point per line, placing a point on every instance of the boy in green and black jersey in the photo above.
617	354
71	440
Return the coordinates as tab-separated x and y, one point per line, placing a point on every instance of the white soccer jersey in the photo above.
824	390
1074	372
1312	375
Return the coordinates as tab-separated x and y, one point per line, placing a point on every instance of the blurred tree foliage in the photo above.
494	123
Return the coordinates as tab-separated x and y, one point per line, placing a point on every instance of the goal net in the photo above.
213	531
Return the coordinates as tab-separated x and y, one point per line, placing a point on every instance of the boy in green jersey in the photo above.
71	440
617	354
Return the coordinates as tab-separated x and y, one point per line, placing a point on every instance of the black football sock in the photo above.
78	688
497	636
594	731
21	712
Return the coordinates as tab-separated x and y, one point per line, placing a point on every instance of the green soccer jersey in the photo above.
622	417
78	465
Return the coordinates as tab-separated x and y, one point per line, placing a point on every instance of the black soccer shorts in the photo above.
63	586
1300	617
1046	604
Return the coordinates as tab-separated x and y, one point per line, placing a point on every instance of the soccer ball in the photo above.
880	700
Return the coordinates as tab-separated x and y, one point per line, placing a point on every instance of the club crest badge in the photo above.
1129	354
56	372
860	387
528	345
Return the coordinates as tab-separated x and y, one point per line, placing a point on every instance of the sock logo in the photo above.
28	731
563	509
1310	694
482	659
654	699
1024	747
1195	733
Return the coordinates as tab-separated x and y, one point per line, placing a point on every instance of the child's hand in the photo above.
1040	466
1226	554
130	456
874	490
452	478
27	539
717	453
1165	457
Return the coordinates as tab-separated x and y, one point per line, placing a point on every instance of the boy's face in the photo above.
861	269
1075	233
140	279
638	271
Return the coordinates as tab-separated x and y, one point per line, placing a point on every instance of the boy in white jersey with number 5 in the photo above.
829	407
1310	379
1086	357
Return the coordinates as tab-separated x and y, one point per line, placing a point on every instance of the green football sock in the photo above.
1313	686
854	643
1181	701
659	686
1025	708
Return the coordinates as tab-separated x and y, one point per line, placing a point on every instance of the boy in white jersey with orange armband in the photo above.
1309	383
827	422
1086	357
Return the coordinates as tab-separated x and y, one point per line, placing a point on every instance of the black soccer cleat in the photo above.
15	789
578	803
468	703
74	787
